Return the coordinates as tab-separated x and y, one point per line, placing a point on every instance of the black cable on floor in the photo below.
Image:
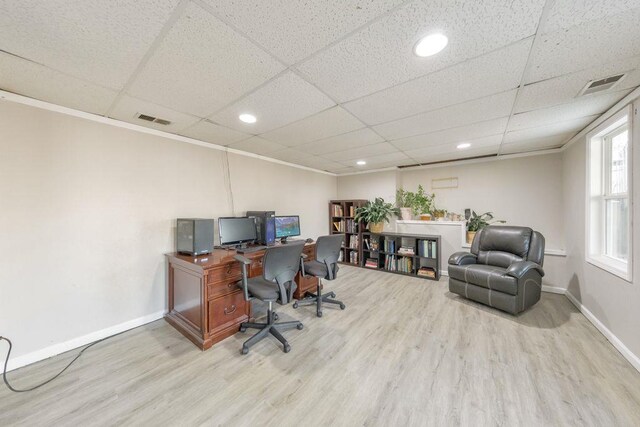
6	361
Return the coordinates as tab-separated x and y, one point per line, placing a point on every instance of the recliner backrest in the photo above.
328	252
281	264
502	245
536	249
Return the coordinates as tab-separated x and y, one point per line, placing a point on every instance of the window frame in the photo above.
603	132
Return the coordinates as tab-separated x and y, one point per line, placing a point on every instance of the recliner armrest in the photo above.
520	268
462	258
244	261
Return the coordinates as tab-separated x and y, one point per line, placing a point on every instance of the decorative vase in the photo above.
470	236
425	217
376	227
406	214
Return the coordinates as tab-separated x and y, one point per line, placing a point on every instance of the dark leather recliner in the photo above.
503	270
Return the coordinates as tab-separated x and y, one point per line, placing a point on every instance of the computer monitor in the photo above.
287	226
236	231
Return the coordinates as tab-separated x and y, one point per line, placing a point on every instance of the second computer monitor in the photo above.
287	226
236	231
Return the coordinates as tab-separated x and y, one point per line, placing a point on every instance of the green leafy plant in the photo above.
478	222
376	211
439	213
421	202
404	199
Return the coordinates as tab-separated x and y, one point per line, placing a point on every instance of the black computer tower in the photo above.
265	226
194	236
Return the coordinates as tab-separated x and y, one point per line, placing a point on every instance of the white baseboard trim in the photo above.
615	341
554	289
53	350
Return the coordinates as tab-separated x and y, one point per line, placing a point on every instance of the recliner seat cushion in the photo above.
486	276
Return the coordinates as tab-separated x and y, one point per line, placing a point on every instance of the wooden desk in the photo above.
205	304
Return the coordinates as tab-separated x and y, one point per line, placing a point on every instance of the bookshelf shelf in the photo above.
342	221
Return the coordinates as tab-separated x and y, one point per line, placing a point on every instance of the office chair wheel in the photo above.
342	307
287	348
300	326
243	329
295	304
245	350
275	316
319	314
333	294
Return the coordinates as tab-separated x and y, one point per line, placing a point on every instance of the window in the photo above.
609	195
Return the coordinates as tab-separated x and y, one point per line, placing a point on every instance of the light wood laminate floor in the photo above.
404	352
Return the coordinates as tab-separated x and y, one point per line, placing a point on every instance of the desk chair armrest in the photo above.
244	262
303	256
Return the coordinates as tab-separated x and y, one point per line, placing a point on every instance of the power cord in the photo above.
6	361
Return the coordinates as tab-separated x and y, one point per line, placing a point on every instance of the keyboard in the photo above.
251	249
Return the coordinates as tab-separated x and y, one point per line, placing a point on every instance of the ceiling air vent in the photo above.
148	118
595	86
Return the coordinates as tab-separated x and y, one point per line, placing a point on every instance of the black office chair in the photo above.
325	266
280	266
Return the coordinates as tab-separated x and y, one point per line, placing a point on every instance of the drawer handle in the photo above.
232	310
229	269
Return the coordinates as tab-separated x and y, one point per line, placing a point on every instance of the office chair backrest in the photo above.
328	252
281	264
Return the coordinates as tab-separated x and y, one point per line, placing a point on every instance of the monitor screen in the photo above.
287	226
236	230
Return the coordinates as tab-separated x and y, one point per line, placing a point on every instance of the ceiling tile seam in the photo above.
168	25
590	21
451	128
437	71
64	73
546	10
552	124
581	70
440	108
574	99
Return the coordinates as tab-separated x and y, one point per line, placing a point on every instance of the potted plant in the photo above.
375	214
404	202
478	222
439	214
422	203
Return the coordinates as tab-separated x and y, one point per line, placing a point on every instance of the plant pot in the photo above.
470	236
425	217
406	214
376	227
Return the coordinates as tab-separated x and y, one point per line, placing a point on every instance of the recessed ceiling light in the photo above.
361	163
247	118
463	146
430	45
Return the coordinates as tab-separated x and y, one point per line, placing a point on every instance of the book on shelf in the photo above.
337	210
352	211
428	248
406	250
351	226
353	257
390	246
371	263
354	241
338	226
426	272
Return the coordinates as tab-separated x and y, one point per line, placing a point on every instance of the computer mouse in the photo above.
309	240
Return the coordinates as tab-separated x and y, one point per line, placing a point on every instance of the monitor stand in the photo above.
286	239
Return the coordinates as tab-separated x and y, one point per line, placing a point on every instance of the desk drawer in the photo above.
226	310
227	273
309	251
256	267
215	290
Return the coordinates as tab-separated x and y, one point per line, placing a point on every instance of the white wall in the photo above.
615	303
369	186
87	211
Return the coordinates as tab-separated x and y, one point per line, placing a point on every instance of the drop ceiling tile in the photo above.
586	45
343	170
454	135
581	107
490	107
568	13
319	163
535	144
294	29
101	42
447	157
381	55
202	65
357	138
575	125
390	159
480	144
331	122
213	133
565	88
128	108
283	100
257	145
360	152
495	72
36	81
290	155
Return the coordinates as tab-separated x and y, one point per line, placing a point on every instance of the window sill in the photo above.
611	266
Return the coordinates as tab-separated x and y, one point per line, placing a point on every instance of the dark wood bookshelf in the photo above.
341	213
